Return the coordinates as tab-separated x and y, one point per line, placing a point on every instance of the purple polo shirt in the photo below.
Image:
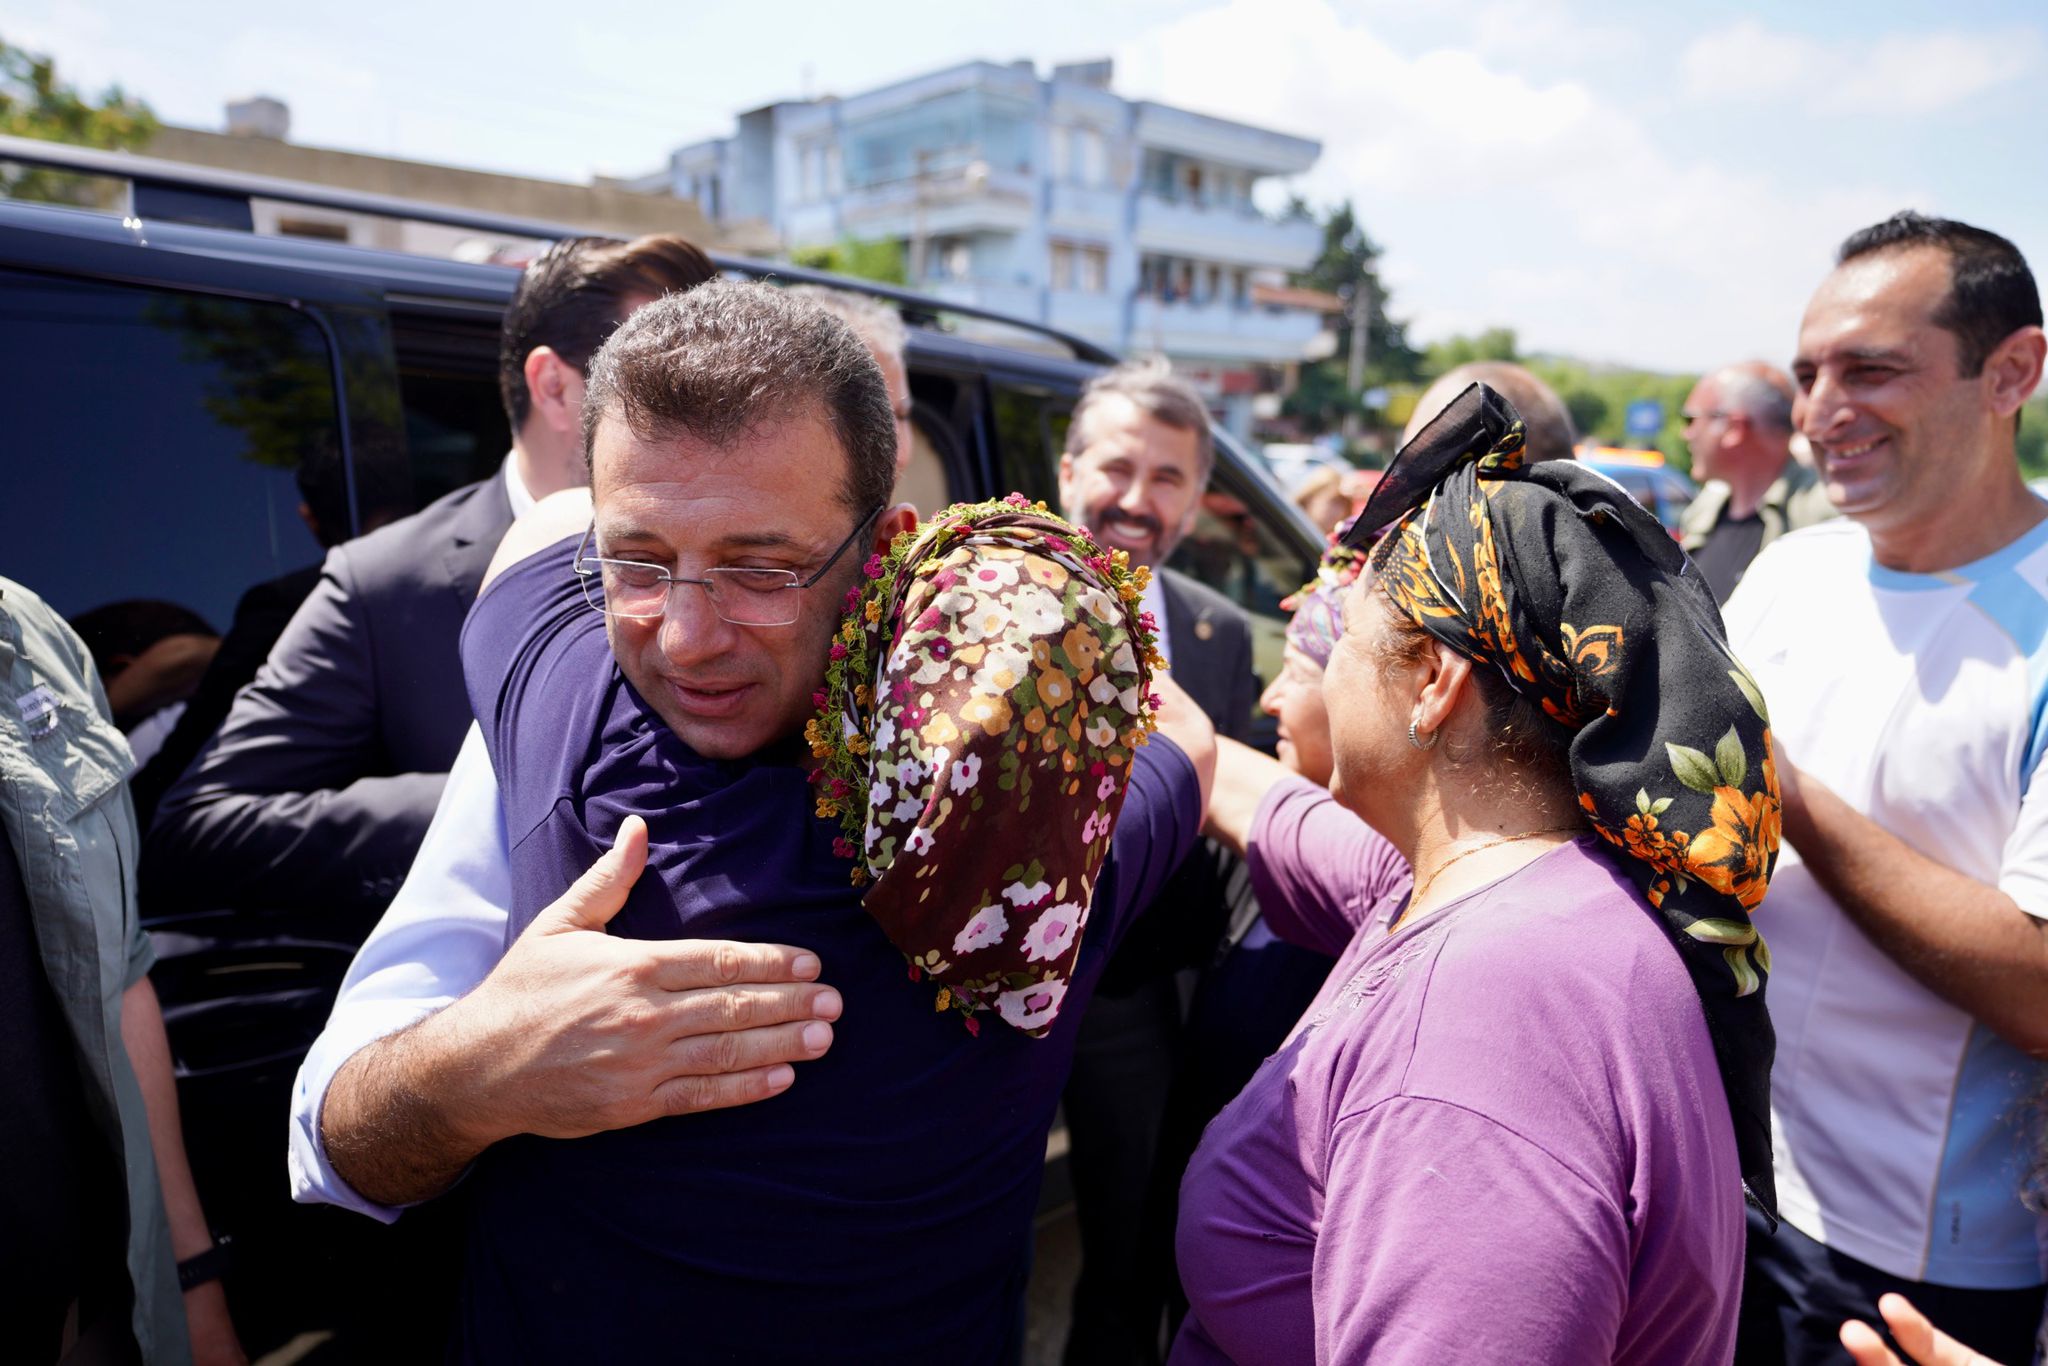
878	1210
1498	1135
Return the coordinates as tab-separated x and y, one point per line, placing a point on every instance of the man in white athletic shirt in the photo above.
1903	651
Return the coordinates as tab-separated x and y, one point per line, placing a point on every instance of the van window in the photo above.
152	443
455	427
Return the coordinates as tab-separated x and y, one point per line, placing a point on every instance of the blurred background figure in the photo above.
1738	422
1551	434
385	493
1323	498
151	655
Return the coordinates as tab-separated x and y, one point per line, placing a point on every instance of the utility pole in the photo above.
1354	372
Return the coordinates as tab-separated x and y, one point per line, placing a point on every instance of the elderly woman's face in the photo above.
1368	701
1295	699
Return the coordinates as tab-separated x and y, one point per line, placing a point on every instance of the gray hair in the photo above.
725	359
1743	391
1161	394
878	325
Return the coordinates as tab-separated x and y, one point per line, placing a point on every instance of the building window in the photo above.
1079	269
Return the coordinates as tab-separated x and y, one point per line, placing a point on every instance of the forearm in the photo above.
1965	940
1243	777
149	1054
393	1124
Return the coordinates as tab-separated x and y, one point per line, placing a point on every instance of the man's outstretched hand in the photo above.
576	1031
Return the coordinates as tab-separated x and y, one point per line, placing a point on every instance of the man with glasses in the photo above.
592	1064
1738	422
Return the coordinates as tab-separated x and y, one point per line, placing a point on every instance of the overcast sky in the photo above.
1658	185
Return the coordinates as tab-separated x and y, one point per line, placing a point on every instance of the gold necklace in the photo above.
1422	888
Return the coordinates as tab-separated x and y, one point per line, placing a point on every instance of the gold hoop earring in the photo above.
1417	740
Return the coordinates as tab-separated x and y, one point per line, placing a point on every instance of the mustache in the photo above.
1146	521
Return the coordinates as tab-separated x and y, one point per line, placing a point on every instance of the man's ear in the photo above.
555	389
2014	368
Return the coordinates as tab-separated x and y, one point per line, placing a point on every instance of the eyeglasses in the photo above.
744	597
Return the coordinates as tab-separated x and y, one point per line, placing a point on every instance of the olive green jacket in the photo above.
64	807
1794	500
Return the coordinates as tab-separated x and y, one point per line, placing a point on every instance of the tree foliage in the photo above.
883	261
1347	264
36	103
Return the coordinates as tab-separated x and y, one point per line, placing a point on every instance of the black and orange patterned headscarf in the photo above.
1555	577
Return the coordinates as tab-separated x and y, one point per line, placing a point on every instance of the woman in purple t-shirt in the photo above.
1519	1121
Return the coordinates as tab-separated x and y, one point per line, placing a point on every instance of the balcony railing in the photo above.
1230	231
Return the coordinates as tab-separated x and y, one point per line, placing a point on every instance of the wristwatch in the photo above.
209	1265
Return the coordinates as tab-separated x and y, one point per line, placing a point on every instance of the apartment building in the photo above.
1128	222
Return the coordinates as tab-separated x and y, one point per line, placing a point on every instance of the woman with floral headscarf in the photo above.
1520	1121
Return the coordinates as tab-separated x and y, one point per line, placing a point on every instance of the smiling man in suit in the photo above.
1138	457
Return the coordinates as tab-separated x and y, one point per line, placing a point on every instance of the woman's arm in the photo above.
1243	778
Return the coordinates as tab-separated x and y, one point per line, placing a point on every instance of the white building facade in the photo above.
1129	223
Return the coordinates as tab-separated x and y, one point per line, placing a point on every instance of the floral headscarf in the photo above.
1318	605
1558	579
982	705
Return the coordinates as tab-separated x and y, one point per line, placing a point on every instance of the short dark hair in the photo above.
727	358
573	294
1991	293
1161	394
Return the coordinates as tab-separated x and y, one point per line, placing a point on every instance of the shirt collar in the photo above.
515	487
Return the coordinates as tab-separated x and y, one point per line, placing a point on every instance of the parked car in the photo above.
170	371
1650	481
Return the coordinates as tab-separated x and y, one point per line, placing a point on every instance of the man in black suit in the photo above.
317	790
1138	457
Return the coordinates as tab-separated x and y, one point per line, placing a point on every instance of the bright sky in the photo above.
1651	184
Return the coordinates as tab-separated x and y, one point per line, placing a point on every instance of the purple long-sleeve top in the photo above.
1498	1134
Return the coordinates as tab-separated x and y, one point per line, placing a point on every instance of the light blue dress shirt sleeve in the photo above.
440	937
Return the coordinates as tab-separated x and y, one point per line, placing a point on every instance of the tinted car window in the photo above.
455	427
152	438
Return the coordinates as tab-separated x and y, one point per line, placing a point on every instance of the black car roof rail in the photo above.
214	197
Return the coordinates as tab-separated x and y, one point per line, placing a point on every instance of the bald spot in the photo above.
1549	422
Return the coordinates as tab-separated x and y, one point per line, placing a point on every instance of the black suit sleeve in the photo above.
285	808
1236	720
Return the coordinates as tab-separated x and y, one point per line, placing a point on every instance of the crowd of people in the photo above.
1635	950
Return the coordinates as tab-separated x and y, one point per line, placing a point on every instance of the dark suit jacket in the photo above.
317	790
1211	641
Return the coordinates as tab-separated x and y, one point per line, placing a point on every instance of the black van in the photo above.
169	371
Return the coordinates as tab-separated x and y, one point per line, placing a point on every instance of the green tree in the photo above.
1495	343
2033	437
882	261
1347	264
36	103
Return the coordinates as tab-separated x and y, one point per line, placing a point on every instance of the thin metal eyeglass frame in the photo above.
582	565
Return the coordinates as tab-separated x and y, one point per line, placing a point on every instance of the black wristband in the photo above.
209	1265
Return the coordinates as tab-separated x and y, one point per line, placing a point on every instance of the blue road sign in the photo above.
1645	417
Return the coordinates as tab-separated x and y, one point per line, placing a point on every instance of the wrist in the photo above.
205	1266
